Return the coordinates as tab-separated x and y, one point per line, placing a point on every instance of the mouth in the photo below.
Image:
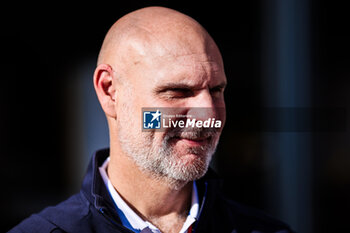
193	141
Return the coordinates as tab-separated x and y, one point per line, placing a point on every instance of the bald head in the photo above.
154	32
153	47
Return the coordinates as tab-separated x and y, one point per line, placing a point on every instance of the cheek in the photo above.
222	114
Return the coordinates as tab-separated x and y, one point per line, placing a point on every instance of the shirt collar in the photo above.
131	220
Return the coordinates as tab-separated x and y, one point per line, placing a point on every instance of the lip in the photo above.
193	142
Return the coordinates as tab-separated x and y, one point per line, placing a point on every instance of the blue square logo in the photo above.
151	119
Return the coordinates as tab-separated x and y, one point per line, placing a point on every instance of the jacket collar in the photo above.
93	186
97	194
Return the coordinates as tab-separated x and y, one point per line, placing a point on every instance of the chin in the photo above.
191	167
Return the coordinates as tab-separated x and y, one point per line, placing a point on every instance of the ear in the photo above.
105	89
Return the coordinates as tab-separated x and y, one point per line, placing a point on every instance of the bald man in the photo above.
155	180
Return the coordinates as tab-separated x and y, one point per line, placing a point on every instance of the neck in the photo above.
158	198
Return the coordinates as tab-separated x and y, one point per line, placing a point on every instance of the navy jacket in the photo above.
92	210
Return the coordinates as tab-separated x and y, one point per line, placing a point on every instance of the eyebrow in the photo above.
179	86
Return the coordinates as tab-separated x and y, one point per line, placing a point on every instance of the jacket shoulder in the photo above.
35	223
248	219
57	218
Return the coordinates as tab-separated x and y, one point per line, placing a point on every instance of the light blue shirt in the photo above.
134	222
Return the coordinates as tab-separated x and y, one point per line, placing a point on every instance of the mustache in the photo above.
192	133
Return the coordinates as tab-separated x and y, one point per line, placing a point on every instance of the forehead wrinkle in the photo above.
206	68
193	77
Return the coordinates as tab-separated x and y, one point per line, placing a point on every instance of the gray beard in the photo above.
162	162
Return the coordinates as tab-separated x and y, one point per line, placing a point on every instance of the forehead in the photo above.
194	69
152	60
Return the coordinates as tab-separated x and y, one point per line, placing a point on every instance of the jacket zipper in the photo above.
202	206
104	214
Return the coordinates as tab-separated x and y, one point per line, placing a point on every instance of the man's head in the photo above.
158	57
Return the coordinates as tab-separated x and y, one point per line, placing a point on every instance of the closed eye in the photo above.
218	89
176	93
